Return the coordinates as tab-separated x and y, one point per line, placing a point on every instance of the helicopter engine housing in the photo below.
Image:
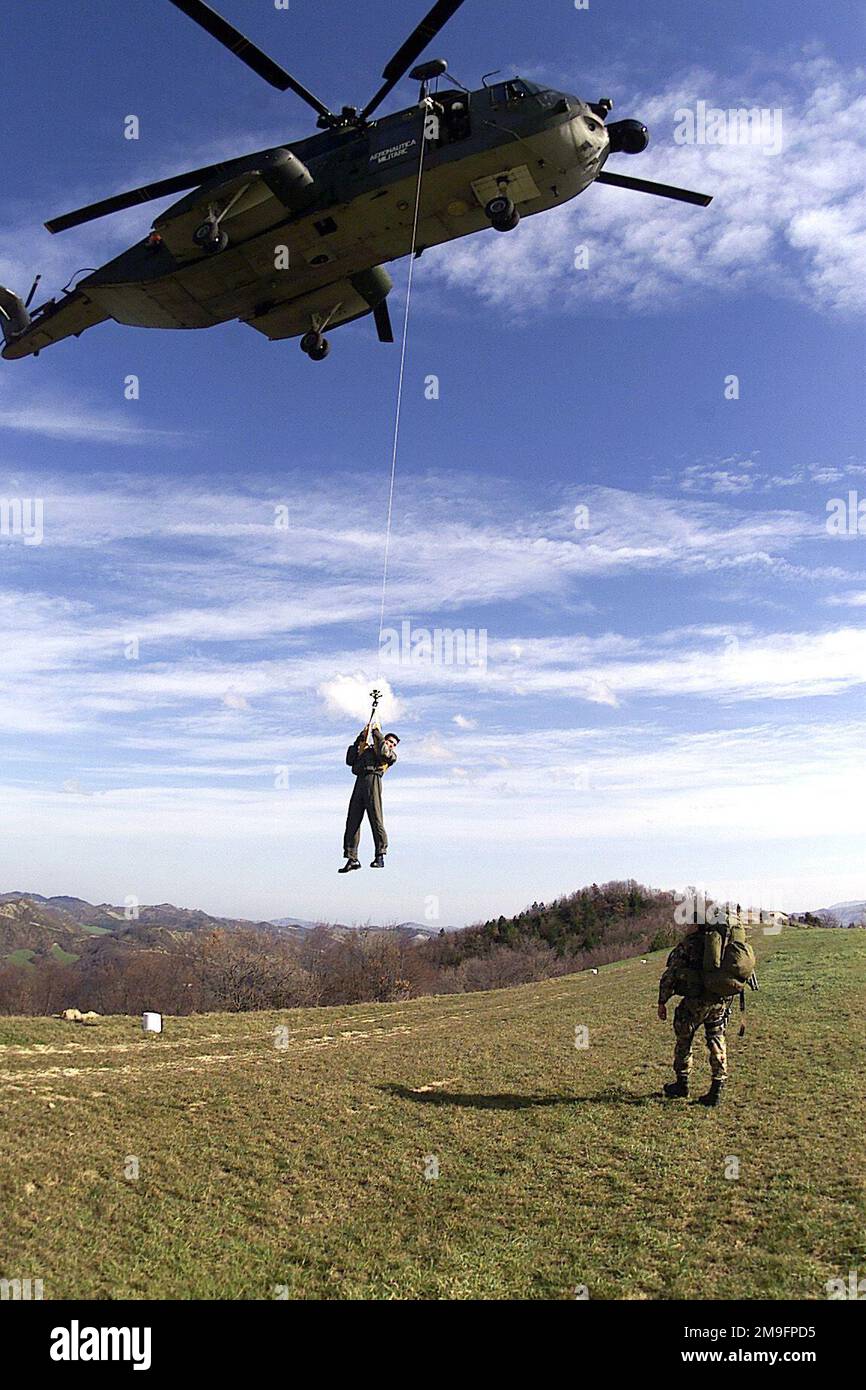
289	179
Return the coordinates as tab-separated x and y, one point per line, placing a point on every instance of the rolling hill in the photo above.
28	926
846	914
31	925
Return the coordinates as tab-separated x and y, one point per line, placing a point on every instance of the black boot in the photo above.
680	1087
349	865
378	862
713	1097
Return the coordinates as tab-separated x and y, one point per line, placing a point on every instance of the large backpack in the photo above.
729	961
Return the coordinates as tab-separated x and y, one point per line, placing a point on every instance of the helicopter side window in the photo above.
456	120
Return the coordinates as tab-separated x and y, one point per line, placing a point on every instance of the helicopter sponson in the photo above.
293	240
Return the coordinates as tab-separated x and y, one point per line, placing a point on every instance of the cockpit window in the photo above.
509	93
519	90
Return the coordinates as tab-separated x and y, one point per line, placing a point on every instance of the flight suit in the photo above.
369	767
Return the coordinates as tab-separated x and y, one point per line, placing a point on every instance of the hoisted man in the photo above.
369	763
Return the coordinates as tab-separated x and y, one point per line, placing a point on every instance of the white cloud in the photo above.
295	624
760	782
854	599
434	750
781	666
350	696
54	416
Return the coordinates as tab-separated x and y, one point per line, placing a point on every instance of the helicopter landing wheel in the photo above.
210	237
508	224
315	346
502	213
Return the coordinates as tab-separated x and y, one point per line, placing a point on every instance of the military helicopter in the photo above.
292	240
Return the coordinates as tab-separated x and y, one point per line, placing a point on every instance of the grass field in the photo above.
22	956
305	1169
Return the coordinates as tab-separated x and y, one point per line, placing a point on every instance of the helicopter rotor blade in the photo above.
661	190
414	46
243	48
147	194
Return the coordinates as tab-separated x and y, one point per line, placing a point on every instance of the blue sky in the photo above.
672	692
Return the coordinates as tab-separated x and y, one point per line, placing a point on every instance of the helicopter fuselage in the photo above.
306	228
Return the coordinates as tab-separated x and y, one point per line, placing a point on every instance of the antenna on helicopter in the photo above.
426	73
33	288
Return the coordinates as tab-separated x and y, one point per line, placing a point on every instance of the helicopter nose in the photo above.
628	137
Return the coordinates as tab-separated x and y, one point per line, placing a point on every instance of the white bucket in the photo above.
151	1023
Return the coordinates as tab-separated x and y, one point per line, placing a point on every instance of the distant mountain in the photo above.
846	914
410	930
33	927
301	923
30	929
415	930
407	931
105	917
186	919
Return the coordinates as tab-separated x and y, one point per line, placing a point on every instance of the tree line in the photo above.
244	969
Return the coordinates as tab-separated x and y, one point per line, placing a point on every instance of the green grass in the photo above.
65	957
304	1168
23	956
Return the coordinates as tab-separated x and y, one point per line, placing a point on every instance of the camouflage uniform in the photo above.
682	975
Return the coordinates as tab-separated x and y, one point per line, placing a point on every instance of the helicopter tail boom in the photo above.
64	318
14	317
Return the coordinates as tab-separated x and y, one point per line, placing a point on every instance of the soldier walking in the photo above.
683	975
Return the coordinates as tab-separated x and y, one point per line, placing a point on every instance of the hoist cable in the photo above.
399	409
